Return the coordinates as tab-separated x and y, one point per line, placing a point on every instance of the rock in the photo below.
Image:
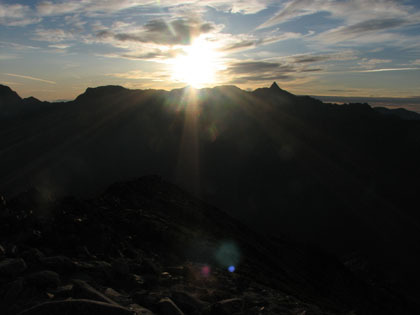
136	281
180	271
44	279
96	269
12	267
140	310
117	297
121	267
33	255
85	291
227	307
168	307
58	263
146	298
187	302
64	291
77	307
13	290
148	267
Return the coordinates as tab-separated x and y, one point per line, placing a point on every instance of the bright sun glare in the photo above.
198	65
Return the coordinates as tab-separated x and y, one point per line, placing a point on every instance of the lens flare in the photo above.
205	271
228	255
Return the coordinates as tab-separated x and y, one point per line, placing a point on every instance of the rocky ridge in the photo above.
147	247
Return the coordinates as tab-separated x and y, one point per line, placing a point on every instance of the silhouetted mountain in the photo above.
8	98
11	104
399	112
146	245
343	177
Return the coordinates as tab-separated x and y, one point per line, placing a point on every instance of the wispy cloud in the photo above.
52	35
180	31
362	21
387	69
29	78
352	11
246	41
8	57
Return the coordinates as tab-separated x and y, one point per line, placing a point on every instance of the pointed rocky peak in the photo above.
275	87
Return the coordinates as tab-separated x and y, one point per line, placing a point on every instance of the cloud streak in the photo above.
29	78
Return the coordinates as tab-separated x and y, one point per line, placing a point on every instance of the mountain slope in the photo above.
342	177
146	240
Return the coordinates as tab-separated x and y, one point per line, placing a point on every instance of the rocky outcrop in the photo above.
147	247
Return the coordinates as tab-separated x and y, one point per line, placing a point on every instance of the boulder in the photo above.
187	302
168	307
12	267
140	310
58	263
33	255
77	307
13	289
44	279
228	306
83	290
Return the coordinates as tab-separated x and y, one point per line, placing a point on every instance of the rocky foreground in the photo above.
146	247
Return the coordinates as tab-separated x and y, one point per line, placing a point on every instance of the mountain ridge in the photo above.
321	173
7	92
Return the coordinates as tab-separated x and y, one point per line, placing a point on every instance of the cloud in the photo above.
179	31
142	75
29	78
259	67
17	15
154	54
315	58
356	31
16	46
362	21
59	46
49	8
351	11
52	35
259	71
371	63
7	57
243	42
291	10
388	69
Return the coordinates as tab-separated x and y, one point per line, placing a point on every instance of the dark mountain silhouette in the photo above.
343	177
12	105
399	112
145	245
8	97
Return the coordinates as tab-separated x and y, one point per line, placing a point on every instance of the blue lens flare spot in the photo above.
231	268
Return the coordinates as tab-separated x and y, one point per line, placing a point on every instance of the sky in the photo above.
54	50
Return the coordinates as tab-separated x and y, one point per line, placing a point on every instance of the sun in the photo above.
197	66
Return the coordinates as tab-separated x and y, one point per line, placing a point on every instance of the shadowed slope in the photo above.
344	177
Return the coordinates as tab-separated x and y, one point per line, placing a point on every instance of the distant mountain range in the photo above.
343	177
408	103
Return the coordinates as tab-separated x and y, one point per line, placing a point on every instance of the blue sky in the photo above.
56	49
